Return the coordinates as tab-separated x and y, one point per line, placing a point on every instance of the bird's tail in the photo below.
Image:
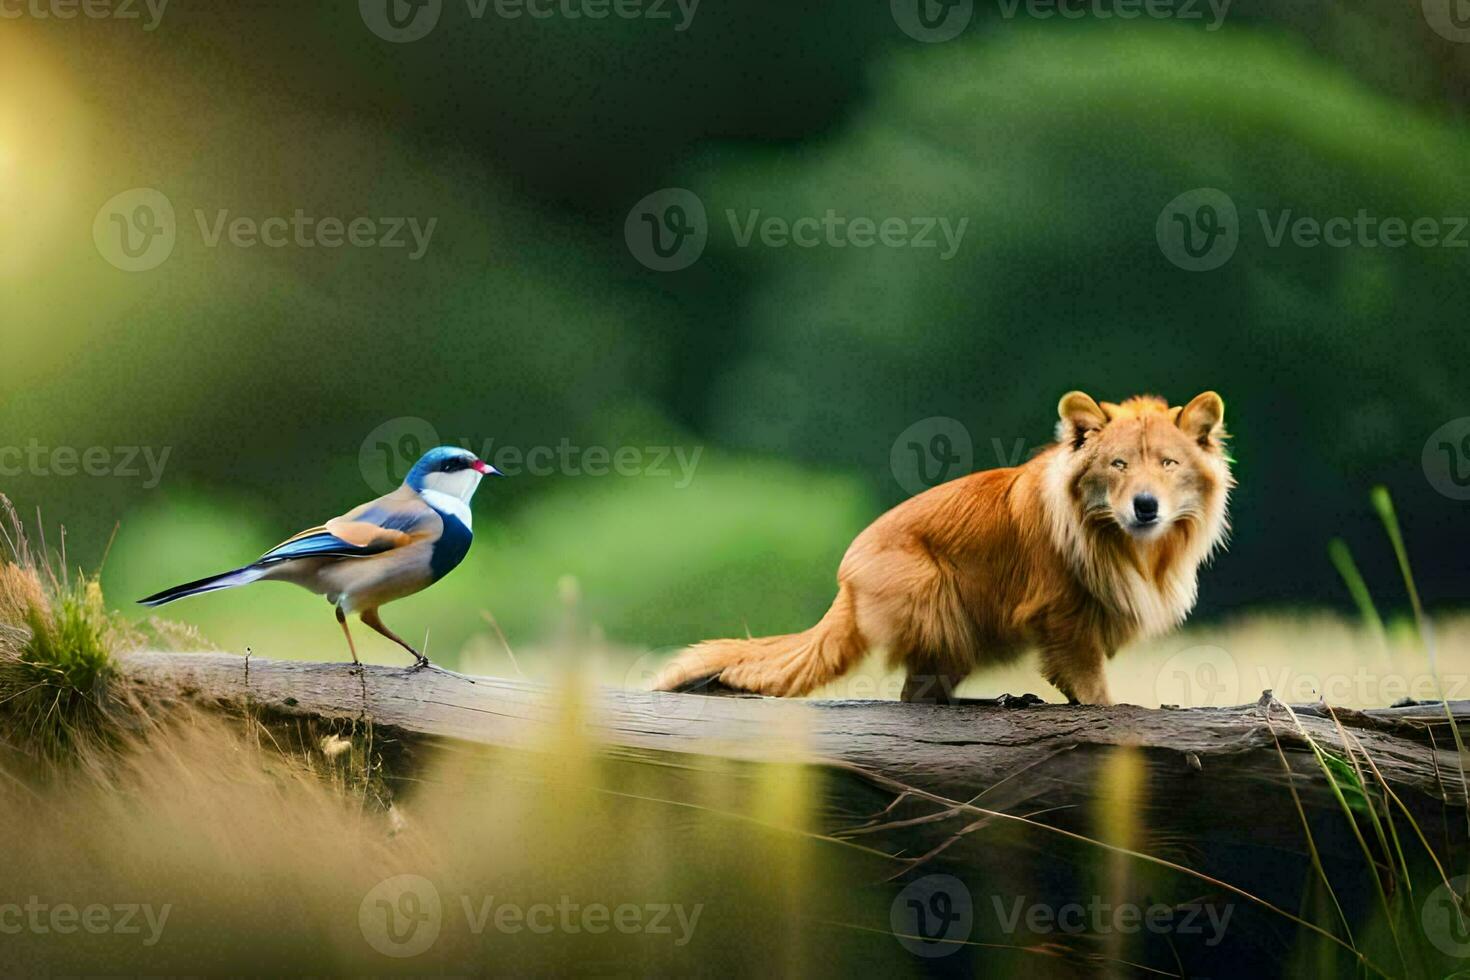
224	580
782	666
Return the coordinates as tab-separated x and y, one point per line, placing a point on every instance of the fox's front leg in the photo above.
1076	669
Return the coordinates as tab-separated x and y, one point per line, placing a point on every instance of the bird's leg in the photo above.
342	619
370	616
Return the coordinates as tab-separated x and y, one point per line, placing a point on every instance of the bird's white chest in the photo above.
449	504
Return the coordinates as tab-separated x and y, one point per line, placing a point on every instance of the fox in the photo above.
1095	541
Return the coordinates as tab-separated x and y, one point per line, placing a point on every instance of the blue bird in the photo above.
388	548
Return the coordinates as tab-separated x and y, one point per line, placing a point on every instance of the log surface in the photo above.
1008	796
944	749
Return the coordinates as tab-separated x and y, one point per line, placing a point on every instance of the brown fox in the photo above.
1095	541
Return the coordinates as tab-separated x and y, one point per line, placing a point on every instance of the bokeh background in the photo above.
281	382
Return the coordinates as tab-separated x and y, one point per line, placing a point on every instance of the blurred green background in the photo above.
282	381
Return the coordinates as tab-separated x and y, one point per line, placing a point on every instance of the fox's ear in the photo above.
1078	415
1203	419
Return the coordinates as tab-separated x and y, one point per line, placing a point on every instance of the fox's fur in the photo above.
1050	555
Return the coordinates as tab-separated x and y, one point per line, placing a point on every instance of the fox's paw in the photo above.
711	684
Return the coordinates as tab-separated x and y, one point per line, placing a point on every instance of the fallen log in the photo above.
1003	791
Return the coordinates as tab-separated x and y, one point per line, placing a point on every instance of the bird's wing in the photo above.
390	522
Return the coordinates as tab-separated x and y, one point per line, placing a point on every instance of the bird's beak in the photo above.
482	467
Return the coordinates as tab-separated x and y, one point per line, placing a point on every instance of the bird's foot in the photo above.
423	662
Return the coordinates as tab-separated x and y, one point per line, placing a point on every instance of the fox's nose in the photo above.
1146	508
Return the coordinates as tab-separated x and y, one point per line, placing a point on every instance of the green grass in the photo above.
56	643
1369	805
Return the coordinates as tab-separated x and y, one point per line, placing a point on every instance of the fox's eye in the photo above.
1120	464
1169	464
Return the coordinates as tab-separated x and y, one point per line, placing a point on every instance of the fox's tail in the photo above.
225	580
782	666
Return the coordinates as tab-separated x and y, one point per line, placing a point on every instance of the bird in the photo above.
385	549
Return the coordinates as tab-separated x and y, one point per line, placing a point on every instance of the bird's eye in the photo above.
1120	464
1169	464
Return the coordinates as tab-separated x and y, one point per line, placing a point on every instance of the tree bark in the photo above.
1010	790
